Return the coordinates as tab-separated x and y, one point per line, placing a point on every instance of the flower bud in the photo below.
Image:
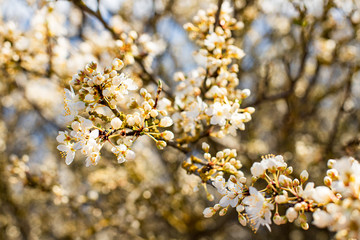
305	226
210	197
257	170
304	176
143	92
238	164
281	199
130	121
278	220
116	123
240	208
161	144
291	214
166	122
250	110
330	163
245	93
167	135
333	174
205	147
220	154
153	113
233	153
227	151
209	212
327	181
242	220
207	156
296	182
289	170
223	212
147	107
285	181
117	64
112	74
243	180
297	207
106	93
217	207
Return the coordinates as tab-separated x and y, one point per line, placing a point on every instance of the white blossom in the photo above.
258	209
322	219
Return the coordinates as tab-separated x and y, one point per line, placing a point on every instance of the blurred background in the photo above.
302	66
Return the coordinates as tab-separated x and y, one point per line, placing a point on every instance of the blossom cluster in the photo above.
210	95
102	109
342	216
287	199
212	165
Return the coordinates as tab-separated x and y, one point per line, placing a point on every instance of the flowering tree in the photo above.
156	111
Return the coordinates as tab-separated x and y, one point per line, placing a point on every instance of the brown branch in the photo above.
83	7
312	82
352	146
178	147
217	15
332	135
152	78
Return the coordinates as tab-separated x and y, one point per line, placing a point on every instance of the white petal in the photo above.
61	137
94	133
130	155
62	148
224	201
69	157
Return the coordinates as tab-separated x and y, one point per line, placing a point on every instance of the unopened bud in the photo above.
330	163
278	220
281	199
250	110
291	214
285	181
223	212
304	176
242	220
160	144
209	212
327	181
205	147
220	154
117	64
245	93
289	170
210	197
297	207
333	174
165	122
305	226
240	208
116	123
296	182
